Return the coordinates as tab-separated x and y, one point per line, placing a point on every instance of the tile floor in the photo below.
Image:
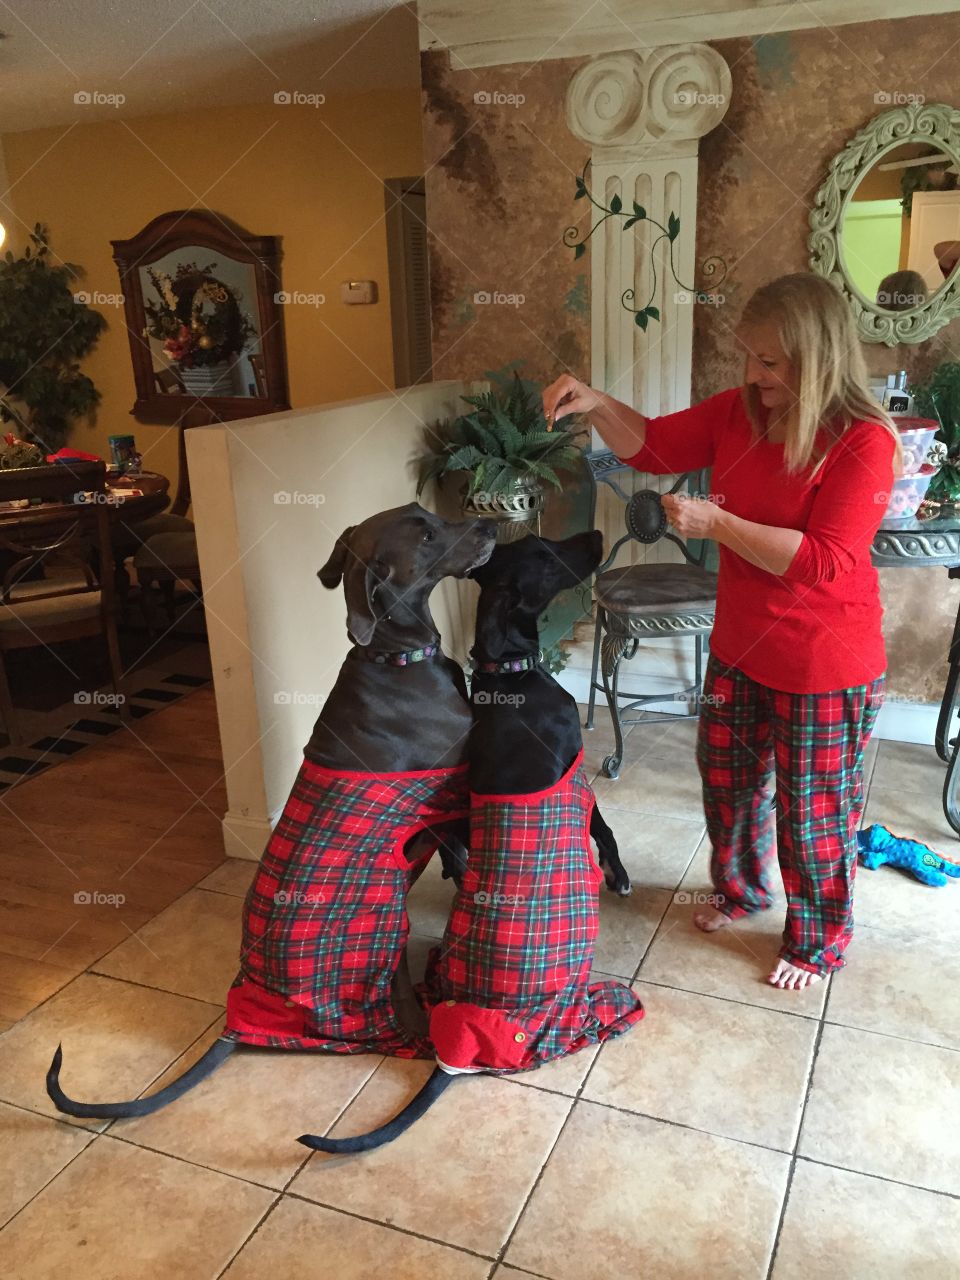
738	1132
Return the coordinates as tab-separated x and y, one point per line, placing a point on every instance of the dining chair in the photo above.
647	601
70	601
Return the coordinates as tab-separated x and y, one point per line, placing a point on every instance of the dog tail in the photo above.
411	1113
218	1052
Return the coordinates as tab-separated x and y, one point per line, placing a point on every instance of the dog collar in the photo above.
403	659
511	665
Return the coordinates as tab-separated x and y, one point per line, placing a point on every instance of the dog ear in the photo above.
360	584
332	572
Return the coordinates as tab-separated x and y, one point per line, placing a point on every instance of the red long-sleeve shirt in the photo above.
818	626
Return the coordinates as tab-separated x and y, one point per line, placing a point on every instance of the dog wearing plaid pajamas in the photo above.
509	989
325	921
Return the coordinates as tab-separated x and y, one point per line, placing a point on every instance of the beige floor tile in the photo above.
246	1118
429	901
655	851
624	1195
734	962
654	783
116	1038
887	1107
120	1211
192	948
479	1148
894	901
900	984
730	1069
909	766
832	1227
297	1236
566	1075
33	1149
233	876
627	926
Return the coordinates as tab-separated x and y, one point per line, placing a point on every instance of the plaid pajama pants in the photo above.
325	920
510	985
813	743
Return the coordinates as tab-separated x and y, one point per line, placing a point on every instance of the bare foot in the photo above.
710	919
790	978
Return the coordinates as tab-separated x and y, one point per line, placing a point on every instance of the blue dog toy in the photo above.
879	846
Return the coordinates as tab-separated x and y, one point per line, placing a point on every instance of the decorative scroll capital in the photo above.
672	96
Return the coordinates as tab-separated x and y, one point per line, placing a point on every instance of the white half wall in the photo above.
270	496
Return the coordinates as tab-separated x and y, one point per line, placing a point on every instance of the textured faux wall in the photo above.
500	183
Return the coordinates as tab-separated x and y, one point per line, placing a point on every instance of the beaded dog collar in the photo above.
511	665
402	659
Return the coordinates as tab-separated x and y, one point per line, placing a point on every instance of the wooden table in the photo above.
124	509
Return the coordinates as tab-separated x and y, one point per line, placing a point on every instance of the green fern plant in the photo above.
939	398
502	440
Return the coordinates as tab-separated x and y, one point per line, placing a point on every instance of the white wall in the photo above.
277	637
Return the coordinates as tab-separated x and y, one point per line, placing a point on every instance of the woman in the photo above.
803	460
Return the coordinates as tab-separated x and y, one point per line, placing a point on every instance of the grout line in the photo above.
391	1226
880	1177
679	1124
86	1147
145	986
796	1144
670	986
263	1218
536	1183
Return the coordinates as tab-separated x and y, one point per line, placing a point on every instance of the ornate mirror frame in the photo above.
197	228
935	123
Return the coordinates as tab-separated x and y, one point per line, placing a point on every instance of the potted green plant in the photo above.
506	452
46	329
939	398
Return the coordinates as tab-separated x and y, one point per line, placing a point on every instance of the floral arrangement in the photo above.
198	318
18	453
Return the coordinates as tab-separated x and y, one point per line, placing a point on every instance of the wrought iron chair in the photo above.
645	602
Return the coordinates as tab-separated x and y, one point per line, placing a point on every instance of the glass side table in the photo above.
924	543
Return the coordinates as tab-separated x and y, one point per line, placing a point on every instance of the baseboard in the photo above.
897	722
245	837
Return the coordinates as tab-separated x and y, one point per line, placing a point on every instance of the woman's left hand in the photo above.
690	516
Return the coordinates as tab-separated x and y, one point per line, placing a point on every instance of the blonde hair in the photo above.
816	330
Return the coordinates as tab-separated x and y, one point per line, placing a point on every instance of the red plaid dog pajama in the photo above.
815	741
510	986
325	920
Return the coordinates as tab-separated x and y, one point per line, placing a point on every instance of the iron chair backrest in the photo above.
39	531
646	519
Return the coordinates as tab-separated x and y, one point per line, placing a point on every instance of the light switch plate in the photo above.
354	292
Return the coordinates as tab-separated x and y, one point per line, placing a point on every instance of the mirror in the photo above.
886	224
201	307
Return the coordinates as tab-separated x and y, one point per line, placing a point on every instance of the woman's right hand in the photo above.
568	395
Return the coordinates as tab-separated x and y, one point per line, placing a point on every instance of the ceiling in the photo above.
175	55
